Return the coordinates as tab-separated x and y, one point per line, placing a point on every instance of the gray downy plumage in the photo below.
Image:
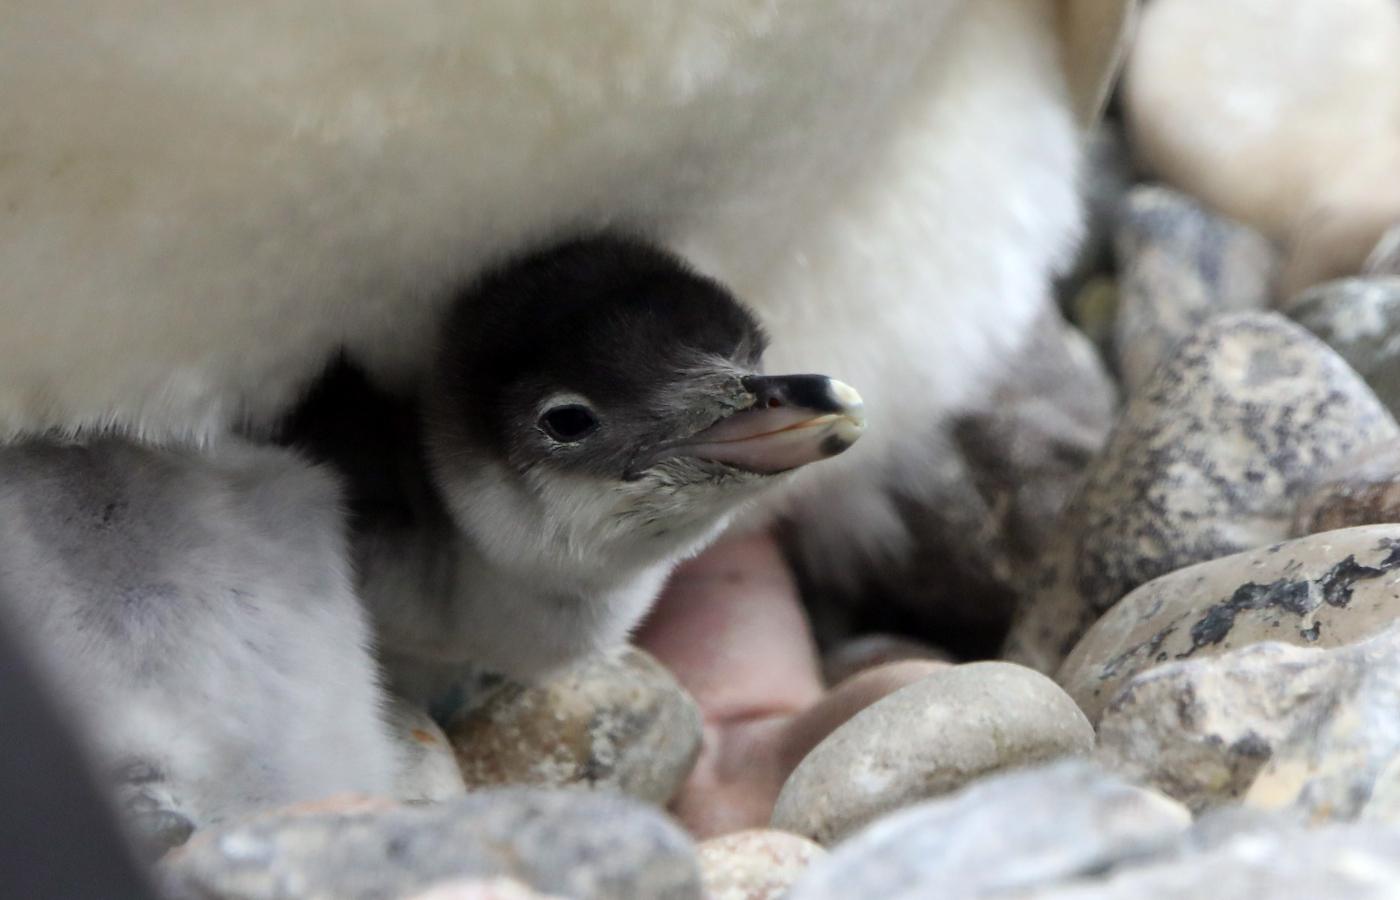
195	612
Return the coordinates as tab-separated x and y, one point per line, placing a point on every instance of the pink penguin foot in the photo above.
732	630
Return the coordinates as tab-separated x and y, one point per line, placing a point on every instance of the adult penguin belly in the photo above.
200	203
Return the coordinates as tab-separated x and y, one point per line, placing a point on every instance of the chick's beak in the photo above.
793	420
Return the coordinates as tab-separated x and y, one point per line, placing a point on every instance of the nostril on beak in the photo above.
812	392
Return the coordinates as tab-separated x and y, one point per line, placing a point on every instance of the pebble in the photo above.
577	844
1341	862
998	836
427	767
1258	107
1271	725
1363	489
1385	258
1341	224
1180	265
1208	459
1360	319
927	739
1325	590
620	724
758	864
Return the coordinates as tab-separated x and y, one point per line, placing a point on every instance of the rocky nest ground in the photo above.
1195	561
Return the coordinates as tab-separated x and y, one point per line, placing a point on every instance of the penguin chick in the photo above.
595	413
196	615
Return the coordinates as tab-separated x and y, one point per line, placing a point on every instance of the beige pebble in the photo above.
621	724
927	739
756	864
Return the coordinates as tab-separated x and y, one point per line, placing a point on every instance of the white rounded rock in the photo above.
1385	257
928	739
1257	106
1337	231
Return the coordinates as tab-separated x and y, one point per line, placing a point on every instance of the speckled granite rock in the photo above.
759	864
574	843
1326	590
1178	266
998	837
1360	319
1340	862
621	724
1363	489
927	739
1209	459
1385	258
1272	724
427	767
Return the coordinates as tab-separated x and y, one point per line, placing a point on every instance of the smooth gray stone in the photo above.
577	844
1000	835
1180	265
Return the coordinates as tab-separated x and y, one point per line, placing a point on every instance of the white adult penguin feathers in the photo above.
200	203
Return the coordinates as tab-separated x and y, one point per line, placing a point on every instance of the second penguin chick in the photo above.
595	413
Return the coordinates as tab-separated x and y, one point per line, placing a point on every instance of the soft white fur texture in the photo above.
199	202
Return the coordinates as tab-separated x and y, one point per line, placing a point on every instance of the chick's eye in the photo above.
566	424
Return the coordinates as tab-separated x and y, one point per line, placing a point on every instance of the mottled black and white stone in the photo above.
1000	836
1209	459
1339	862
576	844
1271	725
1326	590
1360	319
620	724
927	739
1385	259
1180	265
1363	489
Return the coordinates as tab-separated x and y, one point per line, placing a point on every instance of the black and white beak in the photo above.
790	421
